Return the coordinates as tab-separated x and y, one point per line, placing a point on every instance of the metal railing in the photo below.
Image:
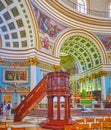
81	9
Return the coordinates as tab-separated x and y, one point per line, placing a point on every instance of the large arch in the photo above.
84	46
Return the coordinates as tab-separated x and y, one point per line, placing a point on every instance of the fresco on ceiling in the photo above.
47	25
106	40
48	28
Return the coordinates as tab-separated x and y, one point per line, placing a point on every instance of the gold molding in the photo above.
102	73
33	61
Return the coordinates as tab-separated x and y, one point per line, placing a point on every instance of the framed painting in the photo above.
15	76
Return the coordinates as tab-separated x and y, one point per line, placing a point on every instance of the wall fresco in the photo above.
106	40
46	24
48	28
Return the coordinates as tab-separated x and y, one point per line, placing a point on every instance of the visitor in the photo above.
1	107
4	110
8	109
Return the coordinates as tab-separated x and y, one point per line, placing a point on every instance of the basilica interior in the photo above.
50	43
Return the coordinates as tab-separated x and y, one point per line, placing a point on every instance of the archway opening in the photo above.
79	56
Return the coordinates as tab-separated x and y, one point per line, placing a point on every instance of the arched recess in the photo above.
84	46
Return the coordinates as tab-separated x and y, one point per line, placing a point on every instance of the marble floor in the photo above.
29	123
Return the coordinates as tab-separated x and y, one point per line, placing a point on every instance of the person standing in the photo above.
8	109
4	110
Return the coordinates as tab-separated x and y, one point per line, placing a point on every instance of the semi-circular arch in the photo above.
81	43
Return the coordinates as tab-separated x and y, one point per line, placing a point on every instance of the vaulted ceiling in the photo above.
83	51
16	28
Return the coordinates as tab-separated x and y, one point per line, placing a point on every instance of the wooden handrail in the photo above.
31	100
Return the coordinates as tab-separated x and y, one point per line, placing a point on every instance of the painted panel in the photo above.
15	76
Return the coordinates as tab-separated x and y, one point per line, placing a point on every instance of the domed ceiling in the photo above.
16	28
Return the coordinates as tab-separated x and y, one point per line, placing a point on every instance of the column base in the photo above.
56	124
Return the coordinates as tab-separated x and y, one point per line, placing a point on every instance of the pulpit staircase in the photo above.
34	97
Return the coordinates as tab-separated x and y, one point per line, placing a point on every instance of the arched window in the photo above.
110	9
82	6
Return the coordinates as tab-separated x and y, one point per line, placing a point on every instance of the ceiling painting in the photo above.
106	40
46	24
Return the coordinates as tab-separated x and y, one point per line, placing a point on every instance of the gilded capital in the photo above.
81	80
33	61
93	76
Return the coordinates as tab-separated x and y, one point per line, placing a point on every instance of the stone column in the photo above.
32	62
32	77
103	88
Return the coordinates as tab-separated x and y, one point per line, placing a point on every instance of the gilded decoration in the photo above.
57	67
33	61
109	57
86	78
102	73
9	89
93	76
46	66
28	62
81	80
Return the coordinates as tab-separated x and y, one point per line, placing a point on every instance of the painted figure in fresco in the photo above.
15	76
46	43
45	26
51	31
40	22
22	76
10	76
56	30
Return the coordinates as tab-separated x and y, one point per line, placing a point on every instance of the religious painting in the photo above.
106	40
46	24
15	76
46	45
